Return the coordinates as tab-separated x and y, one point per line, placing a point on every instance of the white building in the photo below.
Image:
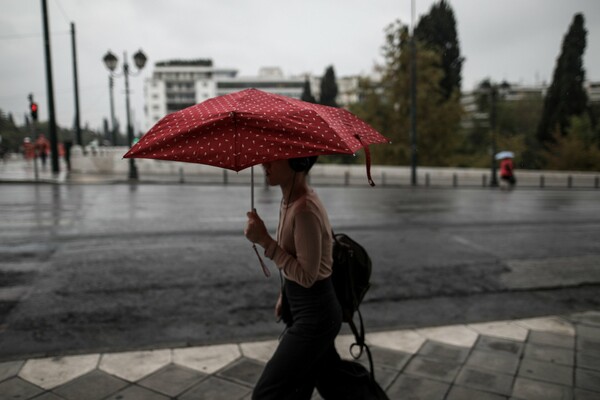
593	91
515	92
177	84
269	79
506	92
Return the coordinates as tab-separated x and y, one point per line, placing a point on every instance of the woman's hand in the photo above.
255	231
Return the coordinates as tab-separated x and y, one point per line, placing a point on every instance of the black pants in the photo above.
306	350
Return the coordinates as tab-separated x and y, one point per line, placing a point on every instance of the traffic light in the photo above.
34	110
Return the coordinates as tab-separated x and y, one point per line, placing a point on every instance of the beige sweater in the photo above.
303	248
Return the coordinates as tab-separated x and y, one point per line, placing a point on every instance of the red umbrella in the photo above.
242	129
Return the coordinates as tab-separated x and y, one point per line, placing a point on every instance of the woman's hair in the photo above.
302	164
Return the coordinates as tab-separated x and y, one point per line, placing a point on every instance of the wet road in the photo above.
115	267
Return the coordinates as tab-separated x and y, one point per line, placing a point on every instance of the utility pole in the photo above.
493	109
113	125
413	100
76	86
50	94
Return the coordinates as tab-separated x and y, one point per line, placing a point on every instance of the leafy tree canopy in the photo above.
566	95
329	88
387	106
307	93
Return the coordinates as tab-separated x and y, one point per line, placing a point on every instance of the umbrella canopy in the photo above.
505	154
242	129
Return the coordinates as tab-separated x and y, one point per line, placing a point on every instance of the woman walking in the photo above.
307	301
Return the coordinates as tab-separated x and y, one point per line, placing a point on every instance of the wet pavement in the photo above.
92	270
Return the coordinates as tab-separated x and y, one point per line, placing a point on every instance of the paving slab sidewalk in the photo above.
555	357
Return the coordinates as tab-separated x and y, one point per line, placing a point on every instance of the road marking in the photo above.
14	293
470	243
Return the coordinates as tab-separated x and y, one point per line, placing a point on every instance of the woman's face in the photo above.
278	172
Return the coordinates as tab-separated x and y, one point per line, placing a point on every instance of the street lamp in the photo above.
489	92
111	61
113	125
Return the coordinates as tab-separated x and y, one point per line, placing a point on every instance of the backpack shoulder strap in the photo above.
359	335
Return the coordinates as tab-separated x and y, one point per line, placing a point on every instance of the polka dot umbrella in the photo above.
250	127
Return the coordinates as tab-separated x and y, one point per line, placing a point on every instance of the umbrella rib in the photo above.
235	139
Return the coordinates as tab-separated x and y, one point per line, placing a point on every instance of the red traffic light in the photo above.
34	109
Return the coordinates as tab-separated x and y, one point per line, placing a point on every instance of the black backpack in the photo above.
351	274
351	279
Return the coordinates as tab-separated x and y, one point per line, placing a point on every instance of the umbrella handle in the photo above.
262	263
252	188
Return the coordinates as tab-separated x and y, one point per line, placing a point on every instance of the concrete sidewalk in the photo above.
547	358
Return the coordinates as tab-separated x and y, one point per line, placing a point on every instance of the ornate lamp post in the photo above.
111	61
488	102
113	125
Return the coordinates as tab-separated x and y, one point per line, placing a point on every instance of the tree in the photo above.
12	136
437	31
566	95
307	93
372	108
384	104
387	107
329	88
577	151
516	121
329	92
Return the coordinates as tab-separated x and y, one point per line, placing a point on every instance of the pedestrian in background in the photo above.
28	149
507	173
42	148
302	251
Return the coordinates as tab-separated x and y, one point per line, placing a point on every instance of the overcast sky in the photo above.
514	40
